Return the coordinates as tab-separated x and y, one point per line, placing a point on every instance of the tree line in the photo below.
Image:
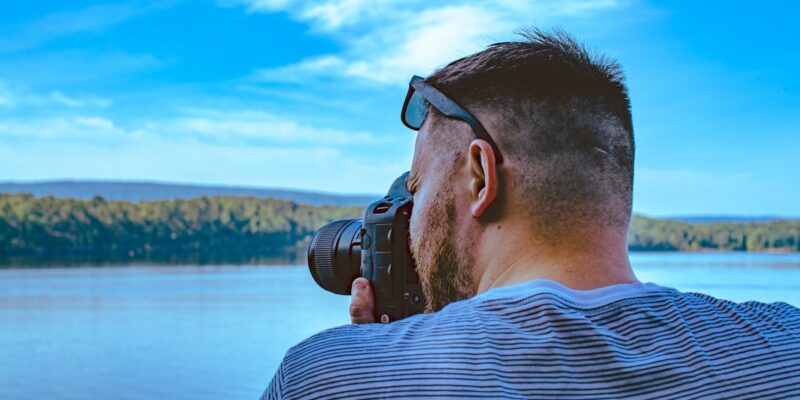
32	225
647	234
47	225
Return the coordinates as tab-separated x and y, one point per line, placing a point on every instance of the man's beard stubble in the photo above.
443	268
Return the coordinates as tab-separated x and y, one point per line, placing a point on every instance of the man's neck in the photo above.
588	258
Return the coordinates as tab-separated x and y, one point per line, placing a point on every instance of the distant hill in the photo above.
648	234
726	219
247	227
139	191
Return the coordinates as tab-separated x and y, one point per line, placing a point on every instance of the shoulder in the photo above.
349	341
350	338
328	363
754	317
754	307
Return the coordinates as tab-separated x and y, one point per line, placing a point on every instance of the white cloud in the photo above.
262	5
91	19
258	126
226	128
300	72
20	97
434	38
64	129
333	15
567	7
386	42
165	160
200	145
325	15
95	123
96	18
6	98
61	98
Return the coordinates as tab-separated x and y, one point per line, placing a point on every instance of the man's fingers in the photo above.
362	303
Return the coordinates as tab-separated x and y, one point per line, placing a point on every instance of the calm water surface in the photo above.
220	332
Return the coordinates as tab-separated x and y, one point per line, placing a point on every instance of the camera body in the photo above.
375	247
385	257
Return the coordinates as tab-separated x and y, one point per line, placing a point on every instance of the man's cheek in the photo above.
414	227
417	218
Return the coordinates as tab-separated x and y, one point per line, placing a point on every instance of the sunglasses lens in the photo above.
416	111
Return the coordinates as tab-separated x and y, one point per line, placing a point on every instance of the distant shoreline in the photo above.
247	259
240	229
713	251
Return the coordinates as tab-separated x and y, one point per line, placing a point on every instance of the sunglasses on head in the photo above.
421	95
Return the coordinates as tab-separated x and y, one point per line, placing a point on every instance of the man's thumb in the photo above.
362	303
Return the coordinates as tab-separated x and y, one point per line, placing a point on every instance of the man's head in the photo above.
561	120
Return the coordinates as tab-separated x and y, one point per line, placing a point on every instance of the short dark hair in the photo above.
562	114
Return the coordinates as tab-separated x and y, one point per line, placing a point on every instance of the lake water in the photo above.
214	332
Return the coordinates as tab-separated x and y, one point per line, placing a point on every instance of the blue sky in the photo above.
306	94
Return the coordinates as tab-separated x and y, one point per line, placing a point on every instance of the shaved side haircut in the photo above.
561	116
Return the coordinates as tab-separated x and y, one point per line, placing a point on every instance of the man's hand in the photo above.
362	302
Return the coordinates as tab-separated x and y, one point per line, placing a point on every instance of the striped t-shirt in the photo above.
542	340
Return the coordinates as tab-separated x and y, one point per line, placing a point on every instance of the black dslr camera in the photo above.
375	247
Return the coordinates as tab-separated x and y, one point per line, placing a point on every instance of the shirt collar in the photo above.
592	297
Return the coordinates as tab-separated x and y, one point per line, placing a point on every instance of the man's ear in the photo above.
482	177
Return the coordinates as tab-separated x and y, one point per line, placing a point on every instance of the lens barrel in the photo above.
334	256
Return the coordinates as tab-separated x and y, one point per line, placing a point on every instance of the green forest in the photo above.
233	225
647	234
63	226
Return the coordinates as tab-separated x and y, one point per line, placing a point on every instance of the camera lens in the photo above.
334	255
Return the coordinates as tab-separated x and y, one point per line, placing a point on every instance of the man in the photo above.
522	181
